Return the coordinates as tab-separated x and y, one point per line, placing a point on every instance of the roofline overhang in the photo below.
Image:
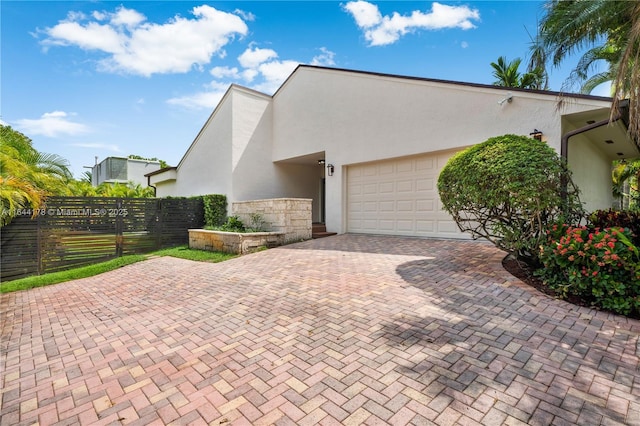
160	171
448	82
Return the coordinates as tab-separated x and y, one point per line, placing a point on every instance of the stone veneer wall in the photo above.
233	242
291	216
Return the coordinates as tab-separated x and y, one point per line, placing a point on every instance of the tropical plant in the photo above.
86	176
609	31
627	219
507	190
538	61
626	183
233	224
507	74
27	176
600	266
163	164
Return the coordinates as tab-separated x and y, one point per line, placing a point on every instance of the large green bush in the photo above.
507	190
215	209
601	267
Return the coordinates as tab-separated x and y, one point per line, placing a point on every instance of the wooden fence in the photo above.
76	231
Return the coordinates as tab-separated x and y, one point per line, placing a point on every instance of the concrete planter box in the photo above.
233	242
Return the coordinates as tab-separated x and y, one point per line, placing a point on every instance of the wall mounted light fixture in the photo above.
508	98
330	169
536	134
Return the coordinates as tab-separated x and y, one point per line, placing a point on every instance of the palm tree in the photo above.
538	60
610	30
626	182
27	176
507	74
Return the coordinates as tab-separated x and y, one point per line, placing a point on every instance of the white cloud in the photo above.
261	71
225	72
253	57
325	58
249	75
106	147
202	100
127	17
135	46
277	70
382	30
52	124
366	14
247	16
464	44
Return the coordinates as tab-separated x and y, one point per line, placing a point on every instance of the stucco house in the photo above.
367	148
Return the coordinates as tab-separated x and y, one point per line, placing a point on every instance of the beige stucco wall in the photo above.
232	156
249	147
592	173
355	117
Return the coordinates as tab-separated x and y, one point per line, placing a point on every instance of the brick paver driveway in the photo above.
344	330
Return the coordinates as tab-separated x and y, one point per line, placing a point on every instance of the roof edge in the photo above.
160	171
451	82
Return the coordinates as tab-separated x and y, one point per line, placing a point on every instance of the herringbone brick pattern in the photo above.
344	330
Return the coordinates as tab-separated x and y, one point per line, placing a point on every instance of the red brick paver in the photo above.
346	330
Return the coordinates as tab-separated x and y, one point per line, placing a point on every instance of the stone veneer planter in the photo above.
233	242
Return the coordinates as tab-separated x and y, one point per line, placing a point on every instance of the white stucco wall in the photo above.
137	169
254	175
592	173
206	166
357	117
255	146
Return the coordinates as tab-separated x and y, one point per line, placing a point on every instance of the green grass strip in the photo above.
70	274
183	252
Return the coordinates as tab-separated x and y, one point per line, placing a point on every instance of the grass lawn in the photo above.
183	252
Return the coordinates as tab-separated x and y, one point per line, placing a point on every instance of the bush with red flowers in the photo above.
629	219
599	266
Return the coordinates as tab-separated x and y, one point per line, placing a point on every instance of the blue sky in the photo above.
100	78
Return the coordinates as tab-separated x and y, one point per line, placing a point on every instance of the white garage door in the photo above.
399	197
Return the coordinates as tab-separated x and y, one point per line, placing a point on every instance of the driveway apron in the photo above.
350	329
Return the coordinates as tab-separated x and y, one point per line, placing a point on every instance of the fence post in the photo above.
118	228
159	223
39	244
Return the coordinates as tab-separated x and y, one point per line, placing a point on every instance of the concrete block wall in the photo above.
291	216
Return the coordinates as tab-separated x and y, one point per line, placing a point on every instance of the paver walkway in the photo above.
343	330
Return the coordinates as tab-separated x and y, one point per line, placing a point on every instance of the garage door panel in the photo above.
423	184
371	188
426	163
399	197
405	186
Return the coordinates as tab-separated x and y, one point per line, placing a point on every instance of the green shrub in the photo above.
508	190
257	223
233	224
602	267
617	218
215	210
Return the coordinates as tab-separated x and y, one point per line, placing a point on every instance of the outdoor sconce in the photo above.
330	169
536	134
